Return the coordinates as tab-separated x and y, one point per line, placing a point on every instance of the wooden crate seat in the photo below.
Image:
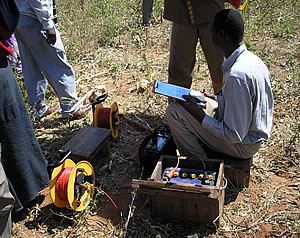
236	170
87	143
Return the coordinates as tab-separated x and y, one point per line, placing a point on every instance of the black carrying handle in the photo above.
63	155
99	99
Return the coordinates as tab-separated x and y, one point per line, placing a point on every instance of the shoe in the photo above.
23	214
38	200
147	24
80	113
49	111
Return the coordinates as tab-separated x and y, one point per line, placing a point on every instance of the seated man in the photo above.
239	118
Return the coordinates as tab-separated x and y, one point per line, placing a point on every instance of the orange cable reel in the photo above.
72	184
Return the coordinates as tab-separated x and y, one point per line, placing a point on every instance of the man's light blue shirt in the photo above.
42	10
245	103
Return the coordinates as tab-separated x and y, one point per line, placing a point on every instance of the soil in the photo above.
269	207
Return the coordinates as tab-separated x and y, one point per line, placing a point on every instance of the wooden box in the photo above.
87	143
202	204
237	172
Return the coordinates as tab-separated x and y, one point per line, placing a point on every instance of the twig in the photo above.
280	212
92	76
143	121
81	100
136	123
130	213
61	215
153	228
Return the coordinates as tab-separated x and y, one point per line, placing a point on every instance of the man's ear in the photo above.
221	35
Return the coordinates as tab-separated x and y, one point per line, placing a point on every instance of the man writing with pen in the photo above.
239	117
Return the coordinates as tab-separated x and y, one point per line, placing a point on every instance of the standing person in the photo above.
147	11
244	105
191	23
44	60
6	205
22	158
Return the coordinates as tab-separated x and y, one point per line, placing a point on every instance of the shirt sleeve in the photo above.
43	12
9	16
235	122
4	34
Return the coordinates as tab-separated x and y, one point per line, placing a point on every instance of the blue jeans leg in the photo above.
44	63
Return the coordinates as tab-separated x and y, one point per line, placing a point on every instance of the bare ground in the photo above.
268	208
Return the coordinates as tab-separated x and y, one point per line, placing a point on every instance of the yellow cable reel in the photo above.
72	184
107	118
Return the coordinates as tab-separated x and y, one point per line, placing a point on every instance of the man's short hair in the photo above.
231	22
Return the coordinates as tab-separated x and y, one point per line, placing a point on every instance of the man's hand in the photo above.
51	36
210	95
192	107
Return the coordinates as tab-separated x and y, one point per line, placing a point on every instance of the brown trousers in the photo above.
184	40
189	135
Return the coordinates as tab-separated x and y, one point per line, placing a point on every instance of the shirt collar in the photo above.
232	58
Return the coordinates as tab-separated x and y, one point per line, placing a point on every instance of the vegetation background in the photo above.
107	45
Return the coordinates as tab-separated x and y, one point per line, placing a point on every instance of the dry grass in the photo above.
268	208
